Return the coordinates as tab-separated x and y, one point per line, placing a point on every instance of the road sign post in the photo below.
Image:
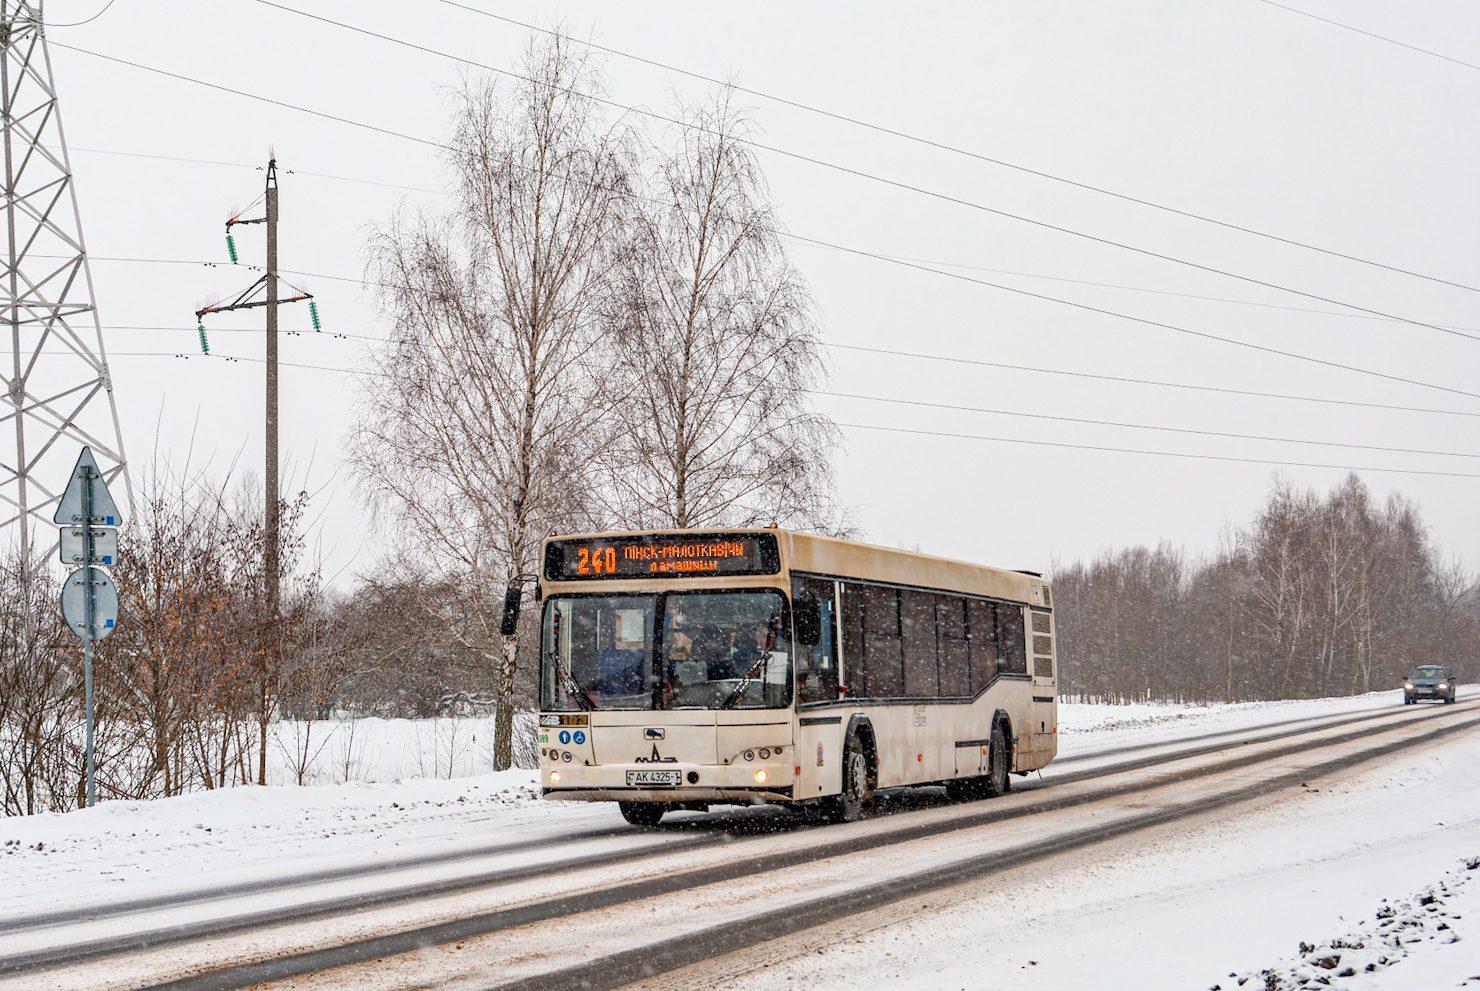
89	597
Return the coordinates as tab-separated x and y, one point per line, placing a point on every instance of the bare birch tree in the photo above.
477	424
714	335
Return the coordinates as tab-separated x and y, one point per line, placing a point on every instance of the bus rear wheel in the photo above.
642	813
996	781
857	797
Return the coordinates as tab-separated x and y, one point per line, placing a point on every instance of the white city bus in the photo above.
682	669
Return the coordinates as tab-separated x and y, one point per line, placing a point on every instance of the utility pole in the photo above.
274	517
272	551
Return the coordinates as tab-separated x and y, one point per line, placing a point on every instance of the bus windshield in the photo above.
671	650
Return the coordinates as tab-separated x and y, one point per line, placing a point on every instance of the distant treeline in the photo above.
1314	597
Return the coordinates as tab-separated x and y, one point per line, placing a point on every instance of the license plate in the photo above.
668	778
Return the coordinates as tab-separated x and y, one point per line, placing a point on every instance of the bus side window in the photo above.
850	623
1012	645
981	634
817	665
882	653
917	626
950	621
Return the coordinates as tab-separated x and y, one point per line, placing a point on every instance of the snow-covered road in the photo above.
1087	907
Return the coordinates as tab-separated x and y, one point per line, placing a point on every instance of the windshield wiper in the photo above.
569	685
745	681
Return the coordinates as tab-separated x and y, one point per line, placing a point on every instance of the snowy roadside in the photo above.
129	849
1407	932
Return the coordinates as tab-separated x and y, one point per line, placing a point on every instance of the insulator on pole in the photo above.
313	314
205	348
231	248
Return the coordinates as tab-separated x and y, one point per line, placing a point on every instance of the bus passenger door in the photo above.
817	663
819	731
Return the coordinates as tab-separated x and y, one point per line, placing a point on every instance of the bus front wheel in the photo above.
642	813
857	797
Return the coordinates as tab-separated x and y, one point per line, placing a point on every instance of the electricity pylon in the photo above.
58	394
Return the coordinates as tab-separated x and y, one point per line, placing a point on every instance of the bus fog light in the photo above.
765	754
750	755
761	775
565	756
693	777
554	777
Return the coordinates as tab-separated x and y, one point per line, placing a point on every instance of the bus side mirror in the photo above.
806	616
510	622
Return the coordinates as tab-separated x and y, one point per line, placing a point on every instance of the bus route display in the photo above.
687	555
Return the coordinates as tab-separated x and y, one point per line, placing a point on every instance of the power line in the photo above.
253	96
1150	382
1161	454
999	412
258	168
952	275
1160	292
888	259
820	244
1148	322
951	359
77	24
1013	289
1144	426
1379	37
954	149
893	183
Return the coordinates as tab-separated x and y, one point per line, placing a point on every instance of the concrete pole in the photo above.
271	561
273	520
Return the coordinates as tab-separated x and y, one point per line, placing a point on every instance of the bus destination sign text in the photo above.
662	556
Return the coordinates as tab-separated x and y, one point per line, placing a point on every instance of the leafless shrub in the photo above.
39	691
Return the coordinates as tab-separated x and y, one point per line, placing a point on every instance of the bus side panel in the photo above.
973	726
819	753
899	744
944	723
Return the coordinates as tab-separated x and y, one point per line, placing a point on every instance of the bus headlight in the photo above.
761	775
554	777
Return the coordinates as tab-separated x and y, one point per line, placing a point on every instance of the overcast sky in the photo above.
1236	110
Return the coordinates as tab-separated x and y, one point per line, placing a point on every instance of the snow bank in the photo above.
1411	925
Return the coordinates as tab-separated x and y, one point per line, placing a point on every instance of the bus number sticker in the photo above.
819	755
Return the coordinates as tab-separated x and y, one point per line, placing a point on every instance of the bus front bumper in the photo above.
735	783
